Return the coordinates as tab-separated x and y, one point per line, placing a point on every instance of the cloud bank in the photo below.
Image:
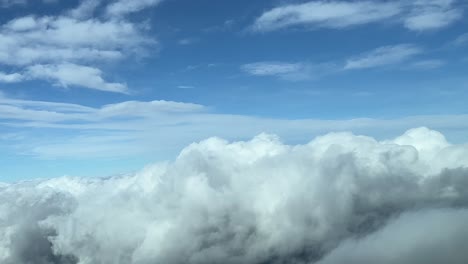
341	198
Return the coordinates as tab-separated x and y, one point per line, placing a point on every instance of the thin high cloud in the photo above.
47	47
161	127
380	57
287	71
421	15
340	198
383	56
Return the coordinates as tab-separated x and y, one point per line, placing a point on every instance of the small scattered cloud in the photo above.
188	41
185	87
227	25
427	64
75	75
10	77
283	70
383	56
461	40
418	15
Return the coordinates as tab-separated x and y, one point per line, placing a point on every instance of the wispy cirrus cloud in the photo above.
427	64
418	15
432	14
142	127
297	71
382	56
328	14
461	40
378	57
124	7
8	3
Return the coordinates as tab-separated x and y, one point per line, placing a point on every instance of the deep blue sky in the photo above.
139	80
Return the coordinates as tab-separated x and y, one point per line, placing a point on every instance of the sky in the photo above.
101	87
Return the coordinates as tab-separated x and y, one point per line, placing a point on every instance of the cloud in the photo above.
383	56
75	75
432	15
285	70
340	197
427	64
56	42
185	86
60	112
10	77
461	40
161	128
124	7
405	240
330	14
9	3
188	41
418	15
379	57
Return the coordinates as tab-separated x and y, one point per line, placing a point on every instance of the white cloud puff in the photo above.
47	47
259	201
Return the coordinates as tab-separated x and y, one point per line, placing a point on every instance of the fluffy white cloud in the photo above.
29	40
75	75
257	201
74	38
415	15
382	56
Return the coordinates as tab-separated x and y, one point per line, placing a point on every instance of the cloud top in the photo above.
257	201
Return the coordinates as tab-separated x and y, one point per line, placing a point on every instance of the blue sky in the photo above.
94	88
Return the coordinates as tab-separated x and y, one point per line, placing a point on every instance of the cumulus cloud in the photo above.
76	37
418	15
8	3
340	198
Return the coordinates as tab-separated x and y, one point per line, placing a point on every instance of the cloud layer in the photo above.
339	199
420	15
